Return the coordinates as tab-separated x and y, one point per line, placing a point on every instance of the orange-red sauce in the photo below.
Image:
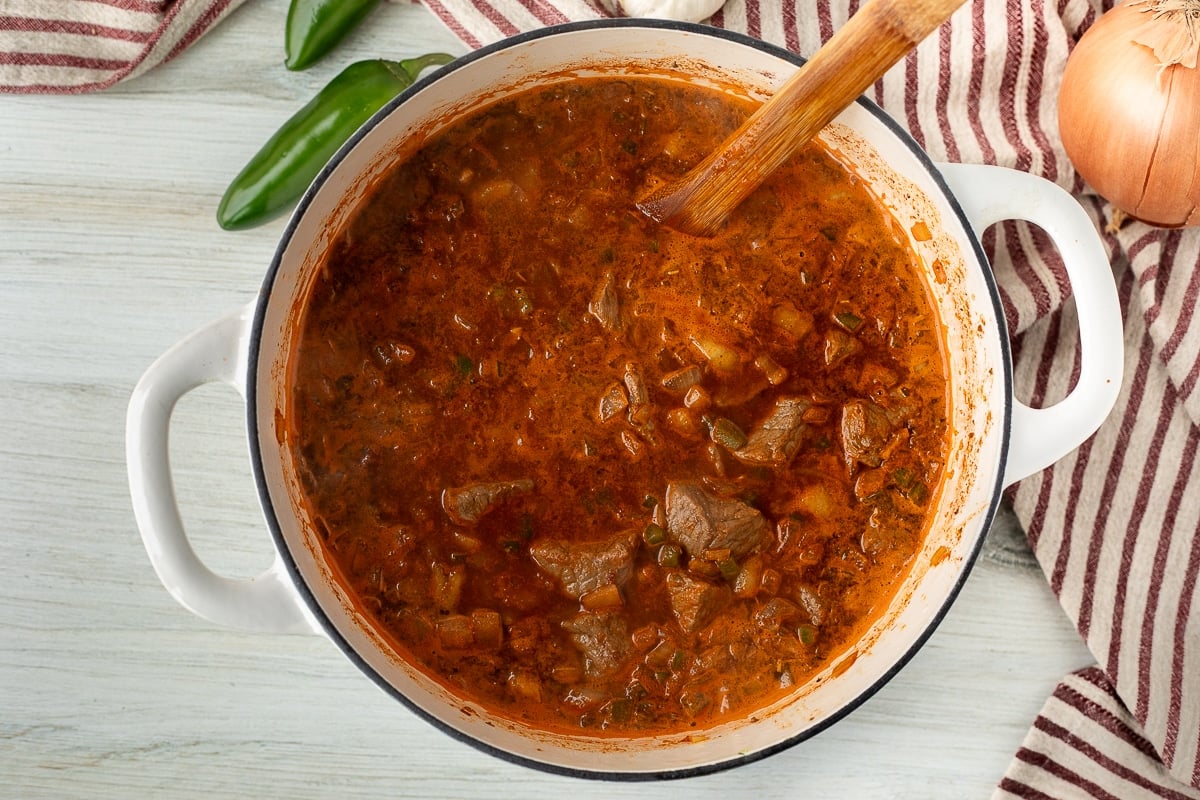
593	473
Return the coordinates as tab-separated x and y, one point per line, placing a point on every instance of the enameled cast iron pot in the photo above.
995	440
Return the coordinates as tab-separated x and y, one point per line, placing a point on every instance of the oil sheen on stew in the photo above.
595	474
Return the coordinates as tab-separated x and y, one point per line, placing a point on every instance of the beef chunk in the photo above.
465	505
866	428
694	601
778	437
602	638
605	305
584	567
774	613
698	521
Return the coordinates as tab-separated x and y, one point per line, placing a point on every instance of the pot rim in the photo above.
305	592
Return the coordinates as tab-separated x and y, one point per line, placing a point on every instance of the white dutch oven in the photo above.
995	440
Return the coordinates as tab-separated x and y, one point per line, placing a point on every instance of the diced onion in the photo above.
722	357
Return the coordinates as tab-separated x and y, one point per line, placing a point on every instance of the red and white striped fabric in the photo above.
65	46
1085	744
1113	525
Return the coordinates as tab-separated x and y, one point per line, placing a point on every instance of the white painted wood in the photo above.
109	253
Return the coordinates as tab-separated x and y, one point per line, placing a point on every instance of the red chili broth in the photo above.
598	475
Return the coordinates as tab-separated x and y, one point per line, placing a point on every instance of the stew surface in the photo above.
593	473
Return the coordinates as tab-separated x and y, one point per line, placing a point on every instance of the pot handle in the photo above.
1041	436
268	602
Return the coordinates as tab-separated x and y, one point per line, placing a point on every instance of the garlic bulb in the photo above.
685	10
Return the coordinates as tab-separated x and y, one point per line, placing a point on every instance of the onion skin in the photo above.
1130	126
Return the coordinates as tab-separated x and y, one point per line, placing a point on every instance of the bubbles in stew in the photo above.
595	474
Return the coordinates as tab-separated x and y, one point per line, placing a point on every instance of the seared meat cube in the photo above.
698	521
584	567
602	638
694	601
866	428
778	437
605	305
774	613
465	505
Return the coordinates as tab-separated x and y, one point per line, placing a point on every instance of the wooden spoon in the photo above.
873	40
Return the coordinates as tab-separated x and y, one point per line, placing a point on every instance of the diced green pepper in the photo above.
727	434
729	568
848	320
620	710
668	555
654	535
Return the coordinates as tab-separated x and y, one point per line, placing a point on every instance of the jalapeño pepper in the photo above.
284	167
314	27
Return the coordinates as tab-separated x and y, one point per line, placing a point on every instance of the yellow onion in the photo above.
1129	110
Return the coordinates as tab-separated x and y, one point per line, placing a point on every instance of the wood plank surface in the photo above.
109	253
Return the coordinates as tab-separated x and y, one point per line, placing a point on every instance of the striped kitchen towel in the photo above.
1114	525
65	46
1084	743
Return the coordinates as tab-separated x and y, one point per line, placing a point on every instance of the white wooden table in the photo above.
109	253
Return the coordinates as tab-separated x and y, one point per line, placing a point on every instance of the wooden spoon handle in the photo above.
857	55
